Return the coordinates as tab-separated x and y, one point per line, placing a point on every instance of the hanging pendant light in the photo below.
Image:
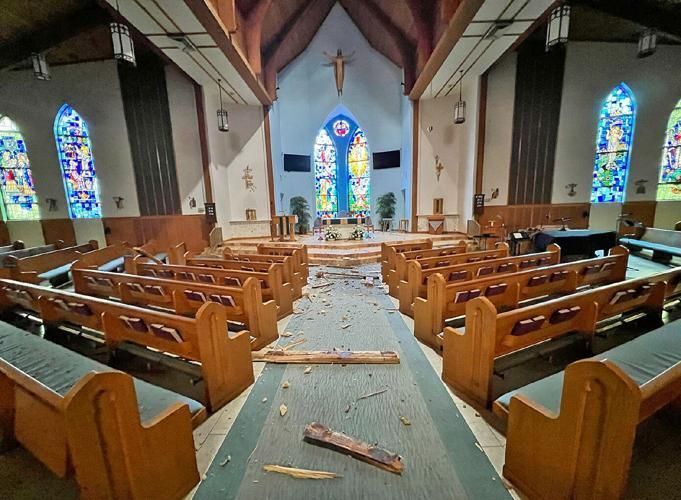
41	70
223	116
558	27
647	43
123	48
460	107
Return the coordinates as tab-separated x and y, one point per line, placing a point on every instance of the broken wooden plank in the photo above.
321	435
327	357
300	473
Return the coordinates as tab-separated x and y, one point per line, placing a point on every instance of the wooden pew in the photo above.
389	250
109	258
225	358
22	252
256	262
113	432
448	300
17	245
51	266
468	355
301	261
571	435
242	305
417	284
271	282
395	276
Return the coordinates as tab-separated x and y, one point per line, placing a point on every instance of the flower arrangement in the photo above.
331	233
358	232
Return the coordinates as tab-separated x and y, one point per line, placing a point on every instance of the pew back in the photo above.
48	265
389	250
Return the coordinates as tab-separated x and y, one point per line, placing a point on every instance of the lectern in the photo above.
283	227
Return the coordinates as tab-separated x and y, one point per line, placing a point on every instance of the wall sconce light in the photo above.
558	27
223	116
51	204
119	201
571	188
41	70
123	48
192	202
647	43
460	107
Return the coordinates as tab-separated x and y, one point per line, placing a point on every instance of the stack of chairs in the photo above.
112	430
570	434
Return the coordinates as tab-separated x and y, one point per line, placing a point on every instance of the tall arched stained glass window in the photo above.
16	181
613	146
77	164
325	175
358	175
669	186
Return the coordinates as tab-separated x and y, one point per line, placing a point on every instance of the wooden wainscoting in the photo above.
641	211
524	216
166	229
4	234
58	229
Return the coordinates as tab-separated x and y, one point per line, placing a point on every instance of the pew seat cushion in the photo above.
58	275
648	245
642	359
112	265
60	369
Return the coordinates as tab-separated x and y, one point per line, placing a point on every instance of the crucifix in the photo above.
338	62
439	167
248	178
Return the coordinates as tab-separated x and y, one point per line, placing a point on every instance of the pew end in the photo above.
115	455
585	450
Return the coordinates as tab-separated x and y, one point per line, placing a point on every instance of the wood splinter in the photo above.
327	357
316	433
300	473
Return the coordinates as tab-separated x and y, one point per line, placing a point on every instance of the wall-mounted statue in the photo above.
439	167
641	186
571	188
338	62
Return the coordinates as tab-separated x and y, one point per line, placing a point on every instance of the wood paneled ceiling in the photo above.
272	33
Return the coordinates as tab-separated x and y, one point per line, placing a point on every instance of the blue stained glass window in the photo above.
669	187
325	175
613	146
359	191
16	181
77	164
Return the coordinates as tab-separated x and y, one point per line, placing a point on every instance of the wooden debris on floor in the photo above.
319	434
327	357
283	409
300	473
372	394
293	344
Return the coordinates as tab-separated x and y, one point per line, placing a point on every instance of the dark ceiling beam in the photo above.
227	12
424	22
651	14
253	34
457	25
406	49
284	30
60	29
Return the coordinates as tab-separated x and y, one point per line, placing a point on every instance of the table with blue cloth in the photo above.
576	241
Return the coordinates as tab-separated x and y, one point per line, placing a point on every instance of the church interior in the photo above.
340	249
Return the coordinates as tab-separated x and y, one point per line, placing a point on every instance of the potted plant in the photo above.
385	205
300	207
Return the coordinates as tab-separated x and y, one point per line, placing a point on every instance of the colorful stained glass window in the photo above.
669	187
613	146
358	175
325	175
341	128
77	164
18	194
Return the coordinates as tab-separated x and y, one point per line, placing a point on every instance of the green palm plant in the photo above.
385	205
301	208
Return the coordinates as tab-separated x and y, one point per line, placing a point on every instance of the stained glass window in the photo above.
18	194
325	175
613	146
358	175
669	187
341	128
77	164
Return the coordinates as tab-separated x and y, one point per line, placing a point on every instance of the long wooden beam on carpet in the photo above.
328	357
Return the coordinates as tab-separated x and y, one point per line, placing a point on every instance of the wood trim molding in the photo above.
414	166
268	159
482	124
203	139
457	25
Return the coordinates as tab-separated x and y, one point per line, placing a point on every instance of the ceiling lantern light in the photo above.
123	48
223	116
647	43
41	70
558	27
460	106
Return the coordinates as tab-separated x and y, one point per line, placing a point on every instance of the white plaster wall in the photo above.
499	128
591	71
89	229
406	152
667	214
93	90
186	142
456	146
28	231
372	93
